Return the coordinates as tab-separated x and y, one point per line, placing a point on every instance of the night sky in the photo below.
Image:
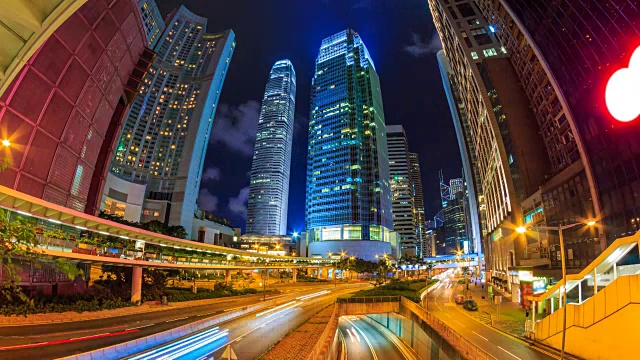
401	38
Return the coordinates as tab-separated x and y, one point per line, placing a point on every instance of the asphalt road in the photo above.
249	336
494	342
49	341
365	341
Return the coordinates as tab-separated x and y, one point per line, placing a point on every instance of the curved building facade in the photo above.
348	192
63	111
271	167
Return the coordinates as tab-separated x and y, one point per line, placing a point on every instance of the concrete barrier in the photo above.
135	346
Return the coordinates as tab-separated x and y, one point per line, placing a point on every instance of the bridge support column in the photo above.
136	285
294	275
227	276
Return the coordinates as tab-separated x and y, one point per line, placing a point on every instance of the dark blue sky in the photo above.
400	36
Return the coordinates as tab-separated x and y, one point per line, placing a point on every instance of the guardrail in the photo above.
466	348
368	299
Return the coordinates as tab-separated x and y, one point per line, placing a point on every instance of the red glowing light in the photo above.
622	94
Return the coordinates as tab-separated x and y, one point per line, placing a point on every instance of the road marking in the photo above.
139	327
373	353
509	353
463	325
57	342
480	335
182	318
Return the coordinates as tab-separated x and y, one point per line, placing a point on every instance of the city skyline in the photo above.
239	105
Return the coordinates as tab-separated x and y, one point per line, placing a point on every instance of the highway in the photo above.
249	336
64	339
366	340
494	342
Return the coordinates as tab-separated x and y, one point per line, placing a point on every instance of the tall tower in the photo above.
269	189
166	132
348	192
511	158
402	197
423	245
152	21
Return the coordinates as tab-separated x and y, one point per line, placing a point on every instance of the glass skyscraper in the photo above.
348	204
165	135
269	189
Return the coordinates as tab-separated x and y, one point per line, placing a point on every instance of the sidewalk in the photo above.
71	316
511	318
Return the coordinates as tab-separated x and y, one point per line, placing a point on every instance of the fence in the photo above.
327	341
368	300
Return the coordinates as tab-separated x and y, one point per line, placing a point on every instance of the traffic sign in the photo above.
229	354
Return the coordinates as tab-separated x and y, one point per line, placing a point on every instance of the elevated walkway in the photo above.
603	307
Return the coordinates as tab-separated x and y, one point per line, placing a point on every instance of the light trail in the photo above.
310	296
275	308
169	351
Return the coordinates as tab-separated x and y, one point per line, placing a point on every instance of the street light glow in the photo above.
6	142
521	229
591	222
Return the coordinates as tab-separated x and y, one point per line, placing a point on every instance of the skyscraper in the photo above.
152	21
511	158
348	193
269	188
455	225
402	197
166	132
470	169
423	244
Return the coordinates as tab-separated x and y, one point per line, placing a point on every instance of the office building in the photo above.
423	246
598	155
62	114
402	192
166	132
510	153
348	202
270	170
475	203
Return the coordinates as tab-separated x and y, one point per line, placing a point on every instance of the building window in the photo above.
474	55
489	52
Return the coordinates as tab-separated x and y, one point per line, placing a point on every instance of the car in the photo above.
459	299
470	305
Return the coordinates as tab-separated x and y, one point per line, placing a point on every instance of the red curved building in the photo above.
63	112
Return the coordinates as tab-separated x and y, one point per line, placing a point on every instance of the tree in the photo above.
383	269
19	247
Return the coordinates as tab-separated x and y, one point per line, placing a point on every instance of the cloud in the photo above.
207	201
238	204
421	48
212	173
236	126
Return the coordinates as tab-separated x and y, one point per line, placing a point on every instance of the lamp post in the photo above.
522	230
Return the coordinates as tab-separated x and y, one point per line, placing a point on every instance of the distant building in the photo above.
64	112
165	135
423	247
402	191
271	167
209	229
348	193
282	245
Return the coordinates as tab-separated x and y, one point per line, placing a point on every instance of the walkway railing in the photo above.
327	338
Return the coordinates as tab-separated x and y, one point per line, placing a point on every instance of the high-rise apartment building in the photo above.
152	21
569	48
510	157
269	188
348	193
423	245
455	222
165	135
402	192
63	113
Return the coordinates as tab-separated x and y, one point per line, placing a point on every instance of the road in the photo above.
49	341
249	336
494	342
366	341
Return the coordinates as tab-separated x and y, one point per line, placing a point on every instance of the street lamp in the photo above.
588	222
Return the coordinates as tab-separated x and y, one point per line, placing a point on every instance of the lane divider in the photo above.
66	341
